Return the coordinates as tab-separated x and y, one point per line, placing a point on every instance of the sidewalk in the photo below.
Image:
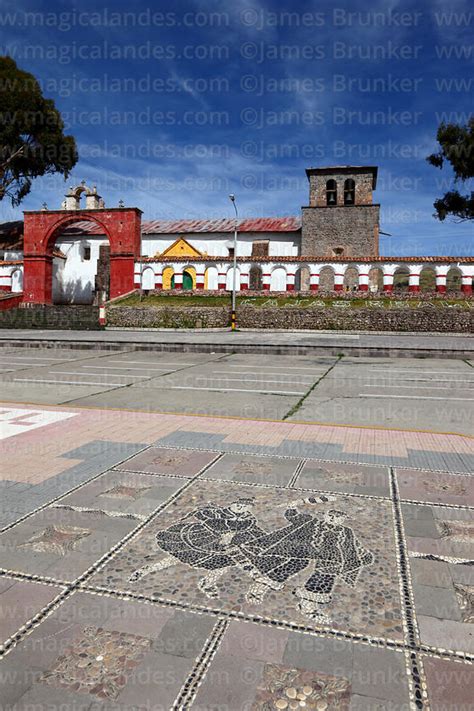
364	344
106	607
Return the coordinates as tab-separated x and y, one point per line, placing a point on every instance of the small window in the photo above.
349	192
338	251
86	254
231	252
331	192
260	248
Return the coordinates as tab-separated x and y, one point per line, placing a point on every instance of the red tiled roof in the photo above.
313	259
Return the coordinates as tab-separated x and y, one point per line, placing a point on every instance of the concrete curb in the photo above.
245	348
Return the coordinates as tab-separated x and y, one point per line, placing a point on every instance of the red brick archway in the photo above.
120	225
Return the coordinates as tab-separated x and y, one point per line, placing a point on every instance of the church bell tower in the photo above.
341	219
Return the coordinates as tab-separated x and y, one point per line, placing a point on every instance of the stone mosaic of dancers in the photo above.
218	538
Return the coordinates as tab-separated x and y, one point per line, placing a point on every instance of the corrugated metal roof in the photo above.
11	235
249	224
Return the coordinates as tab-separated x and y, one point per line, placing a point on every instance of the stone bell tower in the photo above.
341	219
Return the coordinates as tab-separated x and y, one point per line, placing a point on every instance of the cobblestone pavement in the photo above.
171	562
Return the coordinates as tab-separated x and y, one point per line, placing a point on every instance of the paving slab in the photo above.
252	469
216	562
89	662
220	402
20	600
450	684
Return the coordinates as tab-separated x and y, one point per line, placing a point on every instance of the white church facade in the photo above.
332	246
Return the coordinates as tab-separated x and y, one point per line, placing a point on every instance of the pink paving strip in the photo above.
39	454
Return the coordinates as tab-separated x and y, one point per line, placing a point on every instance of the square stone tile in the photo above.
439	531
459	535
434	573
254	641
184	634
60	543
141	618
281	684
447	634
20	600
253	469
98	653
46	697
329	656
419	522
443	592
98	662
370	703
177	462
123	491
260	671
436	487
155	684
272	553
463	574
450	684
349	478
230	683
437	602
379	673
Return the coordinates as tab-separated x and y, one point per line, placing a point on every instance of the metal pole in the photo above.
233	319
141	267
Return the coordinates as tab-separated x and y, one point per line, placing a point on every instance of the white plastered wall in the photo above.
216	244
74	281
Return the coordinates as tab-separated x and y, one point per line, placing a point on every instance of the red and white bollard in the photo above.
102	317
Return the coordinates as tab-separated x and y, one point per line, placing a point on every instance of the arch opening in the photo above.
351	279
117	231
331	192
278	279
17	280
255	278
401	280
168	278
148	279
453	280
349	191
211	278
302	278
229	279
80	266
189	278
375	280
427	280
326	279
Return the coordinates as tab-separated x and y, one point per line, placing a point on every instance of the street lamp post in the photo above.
234	271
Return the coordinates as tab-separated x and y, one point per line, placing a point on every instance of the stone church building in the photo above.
72	254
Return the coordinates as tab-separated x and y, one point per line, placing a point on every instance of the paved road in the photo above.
273	342
428	394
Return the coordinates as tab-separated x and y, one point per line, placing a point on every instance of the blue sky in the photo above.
175	106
